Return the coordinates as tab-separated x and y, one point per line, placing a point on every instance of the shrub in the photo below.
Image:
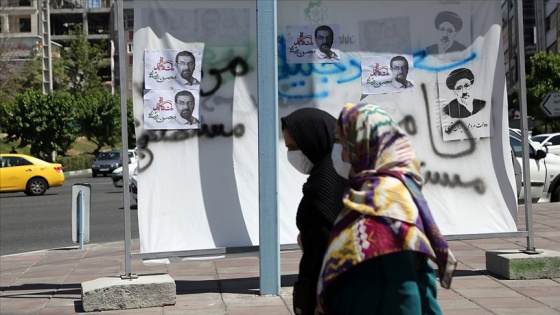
76	162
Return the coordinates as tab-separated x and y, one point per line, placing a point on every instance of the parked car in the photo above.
549	141
133	186
33	176
107	162
545	171
117	175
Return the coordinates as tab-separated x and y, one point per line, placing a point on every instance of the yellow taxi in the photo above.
33	176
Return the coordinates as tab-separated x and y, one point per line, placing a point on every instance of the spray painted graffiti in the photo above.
452	181
294	80
237	67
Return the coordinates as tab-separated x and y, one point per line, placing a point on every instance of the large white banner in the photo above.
436	66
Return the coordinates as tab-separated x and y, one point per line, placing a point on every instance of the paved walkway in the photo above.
49	281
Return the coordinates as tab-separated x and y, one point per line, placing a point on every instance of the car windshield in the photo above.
539	139
108	156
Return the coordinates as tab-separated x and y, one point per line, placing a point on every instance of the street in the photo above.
44	222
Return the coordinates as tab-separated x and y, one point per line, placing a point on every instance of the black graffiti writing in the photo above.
237	67
446	180
458	123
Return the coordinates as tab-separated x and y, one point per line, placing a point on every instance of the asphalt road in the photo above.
44	222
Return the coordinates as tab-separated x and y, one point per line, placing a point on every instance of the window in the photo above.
128	20
129	47
24	24
129	60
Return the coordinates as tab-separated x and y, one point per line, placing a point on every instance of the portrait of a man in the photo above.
185	63
324	38
399	70
460	81
447	24
185	107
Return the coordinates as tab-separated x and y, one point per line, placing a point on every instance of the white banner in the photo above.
198	189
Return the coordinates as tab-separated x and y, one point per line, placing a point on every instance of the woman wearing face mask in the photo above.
377	257
309	136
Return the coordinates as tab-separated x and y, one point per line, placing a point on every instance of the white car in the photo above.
545	171
134	185
117	175
549	141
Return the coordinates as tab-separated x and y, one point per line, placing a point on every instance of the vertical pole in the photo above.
124	137
267	66
81	219
524	128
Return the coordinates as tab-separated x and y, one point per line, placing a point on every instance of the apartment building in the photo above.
19	34
20	28
541	31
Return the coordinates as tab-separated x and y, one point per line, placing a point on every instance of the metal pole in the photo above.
267	73
124	136
524	129
81	219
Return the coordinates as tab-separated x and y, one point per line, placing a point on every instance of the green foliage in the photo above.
543	79
99	115
76	162
32	77
46	122
83	61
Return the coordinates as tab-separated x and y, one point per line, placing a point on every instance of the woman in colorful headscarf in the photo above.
309	137
377	257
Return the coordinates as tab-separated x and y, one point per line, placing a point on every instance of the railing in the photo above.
76	4
16	3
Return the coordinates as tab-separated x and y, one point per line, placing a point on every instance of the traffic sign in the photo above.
551	105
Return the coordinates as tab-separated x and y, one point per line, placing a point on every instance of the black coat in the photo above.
313	131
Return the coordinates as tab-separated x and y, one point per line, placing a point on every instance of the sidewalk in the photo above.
49	281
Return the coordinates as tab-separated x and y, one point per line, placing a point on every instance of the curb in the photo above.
70	173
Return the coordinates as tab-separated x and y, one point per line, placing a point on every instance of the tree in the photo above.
46	122
32	77
543	79
83	63
100	118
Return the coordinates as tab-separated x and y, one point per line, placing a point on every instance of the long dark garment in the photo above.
313	130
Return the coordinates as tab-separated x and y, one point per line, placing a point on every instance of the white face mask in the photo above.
342	168
300	162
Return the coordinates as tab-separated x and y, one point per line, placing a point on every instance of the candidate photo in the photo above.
447	25
461	81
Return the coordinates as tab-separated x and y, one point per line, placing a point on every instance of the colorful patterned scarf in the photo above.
384	209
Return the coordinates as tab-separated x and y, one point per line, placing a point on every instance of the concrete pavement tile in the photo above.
101	272
41	281
238	262
192	272
13	267
488	293
449	305
197	285
468	311
63	273
268	310
540	291
464	253
465	283
524	311
530	283
61	302
444	294
252	300
199	296
183	303
507	302
193	312
138	311
61	311
9	305
239	269
229	276
192	264
550	301
73	278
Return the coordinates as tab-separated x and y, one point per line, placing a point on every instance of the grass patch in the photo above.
79	147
